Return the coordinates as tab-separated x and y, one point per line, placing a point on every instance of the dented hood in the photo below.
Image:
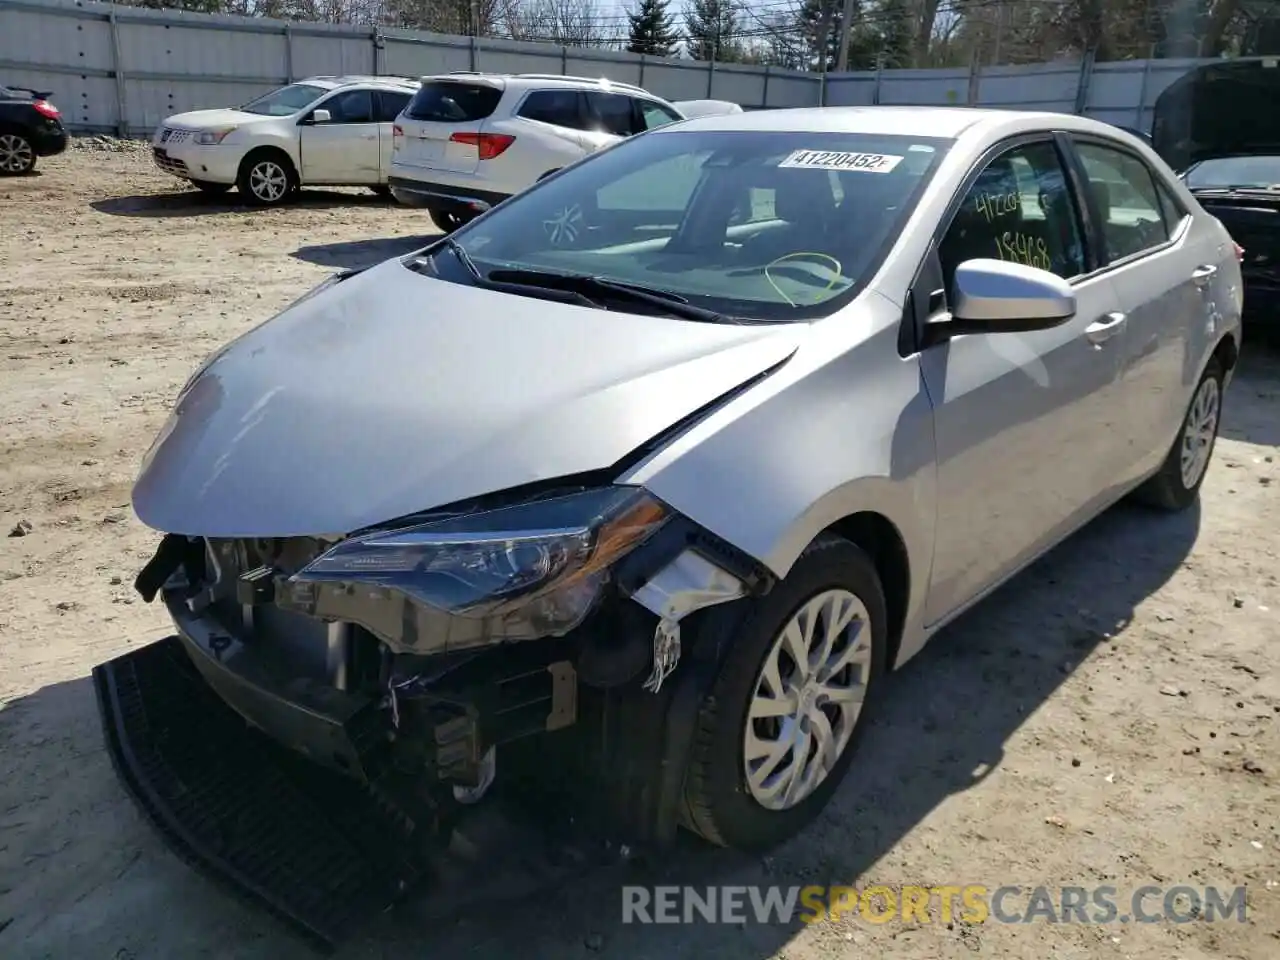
393	393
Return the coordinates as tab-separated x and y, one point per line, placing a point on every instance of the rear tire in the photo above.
446	220
744	713
1178	483
17	155
267	178
213	189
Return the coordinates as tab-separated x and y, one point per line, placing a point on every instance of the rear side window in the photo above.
561	108
390	105
1124	191
453	102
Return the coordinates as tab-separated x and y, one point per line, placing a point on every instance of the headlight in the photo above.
531	570
210	137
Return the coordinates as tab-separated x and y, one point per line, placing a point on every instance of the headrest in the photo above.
801	196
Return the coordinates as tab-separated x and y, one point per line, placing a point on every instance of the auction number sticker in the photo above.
839	160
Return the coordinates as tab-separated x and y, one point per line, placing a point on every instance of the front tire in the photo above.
1177	484
776	735
17	156
267	179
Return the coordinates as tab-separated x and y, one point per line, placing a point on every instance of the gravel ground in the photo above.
1112	717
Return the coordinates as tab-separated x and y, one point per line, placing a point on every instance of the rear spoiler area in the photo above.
35	94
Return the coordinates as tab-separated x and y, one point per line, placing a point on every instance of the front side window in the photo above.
285	101
1019	209
1124	192
771	225
655	114
353	106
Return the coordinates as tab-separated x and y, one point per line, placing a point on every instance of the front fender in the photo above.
841	429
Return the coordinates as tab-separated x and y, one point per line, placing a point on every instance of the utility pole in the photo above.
475	18
846	30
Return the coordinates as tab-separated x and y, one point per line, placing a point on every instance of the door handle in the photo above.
1105	327
370	136
1202	275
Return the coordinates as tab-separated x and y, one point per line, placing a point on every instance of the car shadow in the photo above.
1258	373
355	254
77	852
194	203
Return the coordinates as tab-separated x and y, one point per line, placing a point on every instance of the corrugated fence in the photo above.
124	69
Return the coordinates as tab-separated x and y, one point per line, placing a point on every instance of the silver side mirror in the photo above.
1003	296
321	116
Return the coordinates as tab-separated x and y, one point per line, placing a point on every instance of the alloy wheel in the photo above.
1199	430
807	699
16	155
268	181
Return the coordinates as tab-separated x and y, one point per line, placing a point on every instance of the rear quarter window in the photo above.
453	102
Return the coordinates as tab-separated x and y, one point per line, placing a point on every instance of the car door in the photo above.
345	148
387	105
1024	422
610	117
1158	265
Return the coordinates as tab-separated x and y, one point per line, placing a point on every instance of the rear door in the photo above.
440	123
387	105
1154	258
344	148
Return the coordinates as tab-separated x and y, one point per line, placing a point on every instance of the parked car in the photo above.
322	131
690	109
30	127
1243	191
644	479
467	141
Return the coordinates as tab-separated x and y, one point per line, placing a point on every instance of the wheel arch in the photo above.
883	542
268	149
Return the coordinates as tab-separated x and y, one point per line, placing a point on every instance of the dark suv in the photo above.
30	127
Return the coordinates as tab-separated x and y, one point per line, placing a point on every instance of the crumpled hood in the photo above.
392	393
211	119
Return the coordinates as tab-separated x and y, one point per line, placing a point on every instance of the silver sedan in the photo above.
723	422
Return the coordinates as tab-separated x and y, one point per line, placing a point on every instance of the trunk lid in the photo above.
442	107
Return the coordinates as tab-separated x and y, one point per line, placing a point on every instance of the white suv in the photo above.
323	131
467	141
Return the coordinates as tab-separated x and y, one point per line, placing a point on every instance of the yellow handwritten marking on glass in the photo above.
1020	248
992	205
836	278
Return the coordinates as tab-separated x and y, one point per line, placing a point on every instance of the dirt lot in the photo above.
1113	717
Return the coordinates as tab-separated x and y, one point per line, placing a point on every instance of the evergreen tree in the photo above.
653	29
711	31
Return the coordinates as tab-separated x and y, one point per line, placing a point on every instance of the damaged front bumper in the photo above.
263	714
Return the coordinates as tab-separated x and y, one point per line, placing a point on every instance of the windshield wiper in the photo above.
464	258
671	303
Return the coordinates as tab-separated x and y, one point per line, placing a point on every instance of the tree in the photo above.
711	30
653	29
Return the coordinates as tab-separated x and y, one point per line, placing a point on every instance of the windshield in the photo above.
764	225
1262	171
285	101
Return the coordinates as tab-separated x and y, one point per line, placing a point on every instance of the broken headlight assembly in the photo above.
531	570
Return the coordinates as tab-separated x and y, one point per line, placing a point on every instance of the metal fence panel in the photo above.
125	68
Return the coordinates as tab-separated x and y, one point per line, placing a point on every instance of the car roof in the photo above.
946	122
333	83
523	80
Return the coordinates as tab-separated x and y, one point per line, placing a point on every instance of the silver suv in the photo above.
467	141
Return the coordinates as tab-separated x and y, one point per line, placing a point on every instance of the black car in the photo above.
30	127
1243	191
